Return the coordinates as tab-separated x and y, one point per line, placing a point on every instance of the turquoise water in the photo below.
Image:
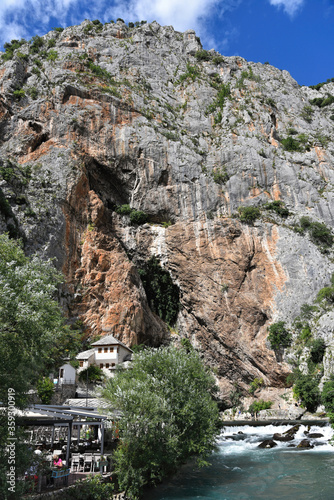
241	471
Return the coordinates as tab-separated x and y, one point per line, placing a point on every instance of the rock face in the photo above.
110	116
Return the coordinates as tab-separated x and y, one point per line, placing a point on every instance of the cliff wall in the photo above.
105	116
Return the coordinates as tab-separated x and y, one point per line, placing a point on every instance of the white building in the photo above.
67	374
107	353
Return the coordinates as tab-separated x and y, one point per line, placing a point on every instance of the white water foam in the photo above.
241	439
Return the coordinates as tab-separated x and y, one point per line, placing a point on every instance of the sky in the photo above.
296	35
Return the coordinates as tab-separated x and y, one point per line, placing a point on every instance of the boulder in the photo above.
267	443
280	437
305	443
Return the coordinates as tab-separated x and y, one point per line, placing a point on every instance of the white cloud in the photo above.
290	6
25	18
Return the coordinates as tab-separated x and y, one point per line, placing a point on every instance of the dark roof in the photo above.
110	340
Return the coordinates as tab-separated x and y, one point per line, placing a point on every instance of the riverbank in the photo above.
273	415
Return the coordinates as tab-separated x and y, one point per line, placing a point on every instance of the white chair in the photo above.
97	458
75	463
88	461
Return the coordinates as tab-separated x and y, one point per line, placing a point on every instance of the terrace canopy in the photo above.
69	416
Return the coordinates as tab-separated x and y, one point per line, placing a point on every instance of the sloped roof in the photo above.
85	354
110	340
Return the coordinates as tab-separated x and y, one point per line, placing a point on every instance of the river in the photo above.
241	471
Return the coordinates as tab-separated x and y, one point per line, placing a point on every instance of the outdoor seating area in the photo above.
67	443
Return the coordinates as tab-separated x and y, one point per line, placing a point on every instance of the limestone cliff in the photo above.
96	117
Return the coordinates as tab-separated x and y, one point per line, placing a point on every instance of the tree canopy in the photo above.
167	415
31	324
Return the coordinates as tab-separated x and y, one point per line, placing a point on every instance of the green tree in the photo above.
93	374
257	406
167	415
30	322
45	390
318	349
306	389
327	397
279	336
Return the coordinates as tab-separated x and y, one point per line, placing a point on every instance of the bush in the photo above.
249	214
279	336
124	210
224	91
52	55
220	175
327	396
217	60
58	30
93	374
19	94
278	207
192	73
321	102
257	382
321	234
318	350
326	294
138	217
306	389
305	333
36	43
307	113
260	405
291	144
11	47
203	55
305	222
92	488
163	295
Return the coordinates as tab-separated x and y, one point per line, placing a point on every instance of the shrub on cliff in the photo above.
162	294
167	415
279	336
249	214
318	349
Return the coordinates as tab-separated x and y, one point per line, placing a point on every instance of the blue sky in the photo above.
296	35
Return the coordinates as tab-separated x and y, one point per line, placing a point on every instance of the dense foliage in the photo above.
278	207
257	406
168	415
249	214
30	322
279	336
327	397
91	374
162	294
306	389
